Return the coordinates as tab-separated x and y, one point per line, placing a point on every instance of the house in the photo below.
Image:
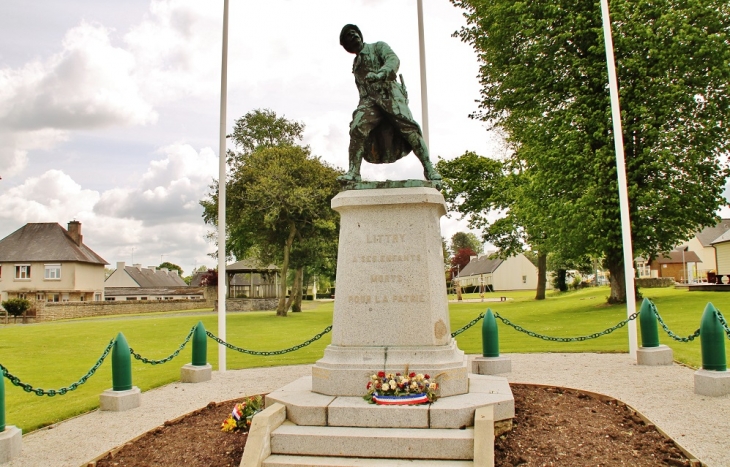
513	273
679	264
701	244
138	283
45	262
722	255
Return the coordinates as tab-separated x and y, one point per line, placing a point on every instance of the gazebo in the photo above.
248	279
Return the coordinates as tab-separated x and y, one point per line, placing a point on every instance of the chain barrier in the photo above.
52	392
595	335
271	352
723	322
169	357
689	338
470	324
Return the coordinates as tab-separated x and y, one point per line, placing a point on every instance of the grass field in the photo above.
55	354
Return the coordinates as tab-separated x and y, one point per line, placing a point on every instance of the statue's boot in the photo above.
421	151
353	174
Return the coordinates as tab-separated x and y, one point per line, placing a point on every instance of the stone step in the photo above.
278	460
398	443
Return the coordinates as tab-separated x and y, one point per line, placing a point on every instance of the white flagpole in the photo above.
222	276
424	88
622	185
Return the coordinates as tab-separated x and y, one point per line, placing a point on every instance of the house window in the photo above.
52	272
54	297
97	297
64	297
40	297
131	298
524	279
82	298
22	295
22	271
143	298
110	299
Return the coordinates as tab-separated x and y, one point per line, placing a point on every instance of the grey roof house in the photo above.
45	262
138	283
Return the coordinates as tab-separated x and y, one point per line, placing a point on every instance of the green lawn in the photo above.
53	355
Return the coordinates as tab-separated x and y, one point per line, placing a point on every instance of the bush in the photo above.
16	306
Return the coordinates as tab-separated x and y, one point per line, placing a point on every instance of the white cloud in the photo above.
169	191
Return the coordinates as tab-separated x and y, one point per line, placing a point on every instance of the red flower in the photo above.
397	374
411	375
370	384
381	374
426	376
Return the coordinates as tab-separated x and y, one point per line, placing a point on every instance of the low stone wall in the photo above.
55	311
655	282
249	304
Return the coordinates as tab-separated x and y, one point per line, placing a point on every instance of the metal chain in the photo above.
52	392
689	338
723	322
272	352
169	357
470	324
567	339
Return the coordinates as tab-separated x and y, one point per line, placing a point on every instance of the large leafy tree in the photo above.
494	196
462	240
544	83
278	198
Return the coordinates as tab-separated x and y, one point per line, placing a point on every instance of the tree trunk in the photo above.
562	285
283	306
297	290
541	275
617	280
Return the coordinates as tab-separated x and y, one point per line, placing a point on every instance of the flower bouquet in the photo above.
400	389
243	412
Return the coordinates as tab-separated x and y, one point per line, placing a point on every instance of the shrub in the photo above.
16	306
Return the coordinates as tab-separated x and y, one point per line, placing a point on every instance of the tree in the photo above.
460	260
171	267
210	278
544	83
480	188
278	198
462	240
16	306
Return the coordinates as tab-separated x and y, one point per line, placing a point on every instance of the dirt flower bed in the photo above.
552	427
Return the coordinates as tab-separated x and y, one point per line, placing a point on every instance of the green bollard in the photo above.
490	336
712	340
200	345
648	322
2	401
121	365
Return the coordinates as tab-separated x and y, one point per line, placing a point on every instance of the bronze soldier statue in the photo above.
382	129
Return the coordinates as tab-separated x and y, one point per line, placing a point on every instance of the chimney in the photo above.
74	231
138	266
120	265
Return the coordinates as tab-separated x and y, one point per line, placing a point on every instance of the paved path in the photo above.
665	395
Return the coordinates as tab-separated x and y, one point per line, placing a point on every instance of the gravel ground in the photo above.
665	395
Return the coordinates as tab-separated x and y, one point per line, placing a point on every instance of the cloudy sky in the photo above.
109	110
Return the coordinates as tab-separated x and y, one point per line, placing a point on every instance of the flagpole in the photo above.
424	88
622	184
222	276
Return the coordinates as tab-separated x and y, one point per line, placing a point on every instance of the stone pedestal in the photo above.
712	383
654	356
391	310
491	365
119	401
11	443
190	373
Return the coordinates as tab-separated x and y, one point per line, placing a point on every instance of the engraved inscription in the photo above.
399	298
386	278
386	238
319	373
385	258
